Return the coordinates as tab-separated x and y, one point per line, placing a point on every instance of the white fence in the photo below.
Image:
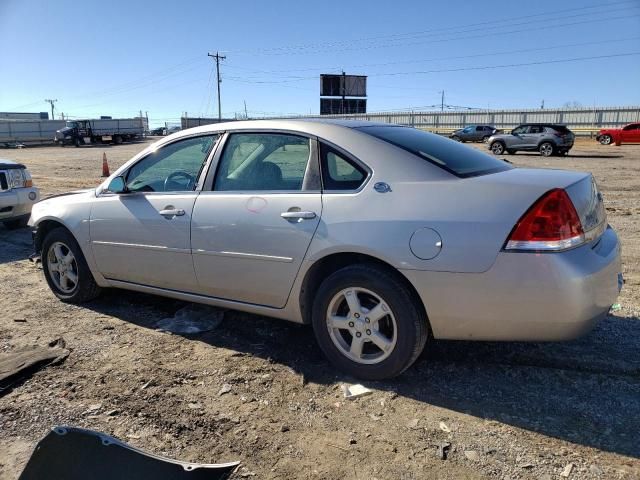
581	120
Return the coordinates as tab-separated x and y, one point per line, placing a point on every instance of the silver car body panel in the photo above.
252	259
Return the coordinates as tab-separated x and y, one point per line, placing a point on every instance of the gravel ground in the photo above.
258	390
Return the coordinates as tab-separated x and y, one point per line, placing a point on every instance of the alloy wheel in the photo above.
361	325
62	267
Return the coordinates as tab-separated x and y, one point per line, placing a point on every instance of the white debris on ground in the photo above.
192	319
354	391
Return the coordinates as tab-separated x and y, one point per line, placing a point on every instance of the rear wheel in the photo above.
546	149
606	140
65	268
367	323
485	139
456	138
497	148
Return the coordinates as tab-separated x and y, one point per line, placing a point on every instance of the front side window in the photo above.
263	161
480	129
633	126
172	168
520	130
338	172
468	130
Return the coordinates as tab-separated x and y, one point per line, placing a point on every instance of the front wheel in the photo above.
606	140
367	322
456	138
497	148
65	268
546	149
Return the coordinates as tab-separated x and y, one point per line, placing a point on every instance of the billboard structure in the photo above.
339	87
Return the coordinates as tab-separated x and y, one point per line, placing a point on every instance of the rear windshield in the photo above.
452	156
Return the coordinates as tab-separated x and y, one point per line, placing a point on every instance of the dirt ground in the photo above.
512	410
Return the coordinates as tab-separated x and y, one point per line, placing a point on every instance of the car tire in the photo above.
456	138
546	149
77	142
606	140
511	152
84	287
400	324
485	139
497	148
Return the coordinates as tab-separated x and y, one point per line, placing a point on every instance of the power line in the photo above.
434	59
461	69
305	48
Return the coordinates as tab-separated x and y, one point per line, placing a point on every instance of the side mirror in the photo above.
117	185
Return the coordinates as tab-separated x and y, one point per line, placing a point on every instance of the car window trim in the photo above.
201	174
350	158
212	172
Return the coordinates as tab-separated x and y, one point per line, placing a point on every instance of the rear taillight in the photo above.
551	224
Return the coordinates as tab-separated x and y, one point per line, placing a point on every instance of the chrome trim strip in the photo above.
156	248
255	256
538	245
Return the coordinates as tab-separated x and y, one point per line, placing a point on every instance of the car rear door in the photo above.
143	236
254	221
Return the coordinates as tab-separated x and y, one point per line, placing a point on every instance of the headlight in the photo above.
19	178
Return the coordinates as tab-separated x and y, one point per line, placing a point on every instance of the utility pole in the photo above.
442	101
246	116
51	101
542	105
218	57
344	91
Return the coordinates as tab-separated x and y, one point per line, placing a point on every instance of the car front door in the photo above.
518	137
630	133
532	137
142	235
252	228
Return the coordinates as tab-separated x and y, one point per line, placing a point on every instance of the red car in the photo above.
627	134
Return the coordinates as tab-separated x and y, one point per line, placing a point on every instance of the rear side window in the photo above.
560	129
451	156
338	172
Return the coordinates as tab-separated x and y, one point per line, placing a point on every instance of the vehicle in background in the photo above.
17	194
474	133
370	232
160	131
627	134
173	129
546	138
86	132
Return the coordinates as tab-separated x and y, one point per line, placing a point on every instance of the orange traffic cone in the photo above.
105	165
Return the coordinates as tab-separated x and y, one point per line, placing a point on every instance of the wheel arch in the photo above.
44	227
327	265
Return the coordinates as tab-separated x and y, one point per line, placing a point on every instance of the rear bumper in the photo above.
525	296
16	203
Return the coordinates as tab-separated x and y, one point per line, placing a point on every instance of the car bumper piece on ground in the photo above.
525	296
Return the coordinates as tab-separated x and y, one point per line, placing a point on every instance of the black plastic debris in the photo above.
69	453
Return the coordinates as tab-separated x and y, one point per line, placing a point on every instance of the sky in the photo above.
121	57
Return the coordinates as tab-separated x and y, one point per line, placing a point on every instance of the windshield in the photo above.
72	124
452	156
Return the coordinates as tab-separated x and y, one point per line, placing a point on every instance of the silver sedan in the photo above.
379	236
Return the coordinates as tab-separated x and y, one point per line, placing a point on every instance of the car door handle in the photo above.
172	212
298	215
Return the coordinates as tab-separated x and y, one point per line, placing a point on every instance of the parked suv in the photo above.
546	138
17	194
474	133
